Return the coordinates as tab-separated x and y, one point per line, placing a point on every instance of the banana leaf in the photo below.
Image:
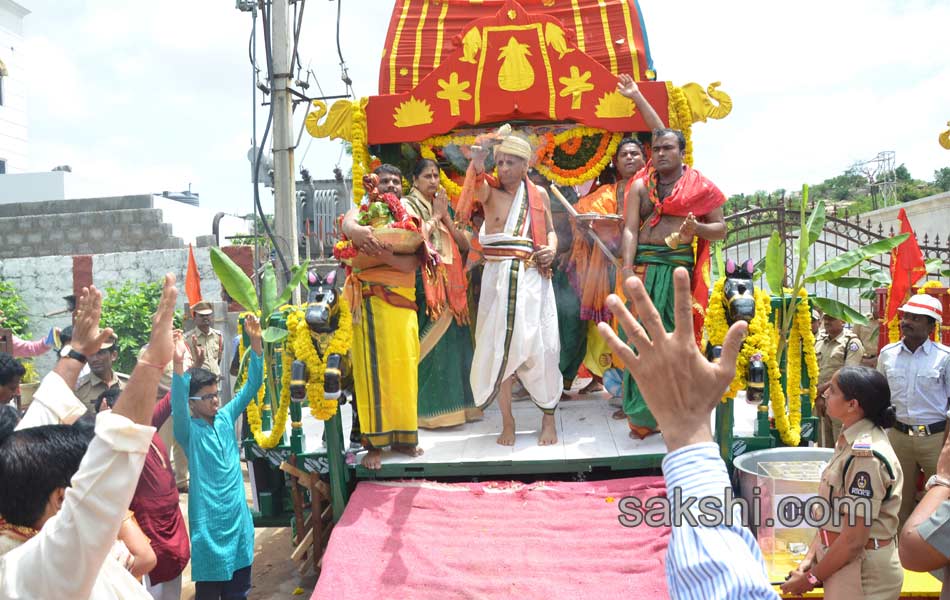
853	283
838	310
234	281
933	265
816	221
775	263
299	274
274	335
841	264
268	291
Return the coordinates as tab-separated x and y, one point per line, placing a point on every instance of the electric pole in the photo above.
285	194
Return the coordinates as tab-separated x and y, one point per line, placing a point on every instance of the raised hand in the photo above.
440	205
161	345
199	356
627	86
87	337
679	385
252	327
688	228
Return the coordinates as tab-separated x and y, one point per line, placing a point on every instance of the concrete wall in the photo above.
42	282
928	216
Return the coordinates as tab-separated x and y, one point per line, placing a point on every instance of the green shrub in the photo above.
14	310
128	311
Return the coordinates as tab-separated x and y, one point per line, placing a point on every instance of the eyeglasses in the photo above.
211	396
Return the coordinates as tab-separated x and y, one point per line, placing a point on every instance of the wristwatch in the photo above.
937	480
69	352
812	580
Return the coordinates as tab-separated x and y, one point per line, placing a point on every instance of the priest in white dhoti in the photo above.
516	331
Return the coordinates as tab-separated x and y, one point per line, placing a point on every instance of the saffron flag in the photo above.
907	267
192	279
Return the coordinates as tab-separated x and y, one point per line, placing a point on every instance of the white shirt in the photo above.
919	381
53	403
69	557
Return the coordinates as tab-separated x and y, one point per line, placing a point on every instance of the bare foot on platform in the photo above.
408	450
593	387
619	414
565	397
373	460
548	435
507	437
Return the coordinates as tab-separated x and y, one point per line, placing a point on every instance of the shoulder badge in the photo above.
853	346
861	485
862	446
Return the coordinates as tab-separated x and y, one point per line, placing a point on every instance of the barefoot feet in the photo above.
619	414
507	437
596	385
548	431
407	450
373	460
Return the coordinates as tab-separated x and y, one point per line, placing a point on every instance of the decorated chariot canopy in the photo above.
459	67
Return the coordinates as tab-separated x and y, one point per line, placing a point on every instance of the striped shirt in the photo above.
709	562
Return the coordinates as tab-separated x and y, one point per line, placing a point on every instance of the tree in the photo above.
942	179
902	174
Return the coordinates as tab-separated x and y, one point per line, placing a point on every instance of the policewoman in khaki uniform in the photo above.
860	560
835	348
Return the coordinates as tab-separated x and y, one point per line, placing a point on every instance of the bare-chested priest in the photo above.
676	207
516	331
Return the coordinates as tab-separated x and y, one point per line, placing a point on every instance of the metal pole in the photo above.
285	195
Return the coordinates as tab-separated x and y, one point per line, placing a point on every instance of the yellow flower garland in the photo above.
931	285
361	159
762	340
681	118
298	346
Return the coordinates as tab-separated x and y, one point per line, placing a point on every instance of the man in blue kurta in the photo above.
222	532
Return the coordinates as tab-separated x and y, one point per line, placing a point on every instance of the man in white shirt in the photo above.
918	373
63	548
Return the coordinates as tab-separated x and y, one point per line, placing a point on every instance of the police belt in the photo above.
829	537
921	430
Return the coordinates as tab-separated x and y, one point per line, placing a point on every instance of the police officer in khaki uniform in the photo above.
837	347
863	478
869	335
205	343
101	376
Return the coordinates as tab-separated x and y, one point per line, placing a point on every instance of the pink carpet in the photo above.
494	540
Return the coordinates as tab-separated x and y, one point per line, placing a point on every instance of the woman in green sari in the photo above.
445	395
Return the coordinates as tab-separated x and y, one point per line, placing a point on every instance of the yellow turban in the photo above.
514	144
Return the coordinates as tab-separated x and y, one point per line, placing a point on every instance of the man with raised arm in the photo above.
61	523
516	331
675	209
682	388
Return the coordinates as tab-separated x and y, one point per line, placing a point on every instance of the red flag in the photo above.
192	279
907	267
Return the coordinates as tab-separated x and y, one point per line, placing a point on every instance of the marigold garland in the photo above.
299	346
801	339
361	158
759	339
681	118
932	284
426	150
601	157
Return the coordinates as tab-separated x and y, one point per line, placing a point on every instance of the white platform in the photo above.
584	426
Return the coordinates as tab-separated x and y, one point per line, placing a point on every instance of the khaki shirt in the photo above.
863	466
213	347
832	354
89	387
869	335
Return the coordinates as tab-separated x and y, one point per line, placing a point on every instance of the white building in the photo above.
14	147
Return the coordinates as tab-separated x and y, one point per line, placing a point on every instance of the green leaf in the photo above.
838	310
933	265
234	281
816	222
852	282
945	273
273	335
268	291
299	275
841	264
775	263
718	266
877	274
870	294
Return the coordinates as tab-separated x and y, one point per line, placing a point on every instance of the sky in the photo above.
150	96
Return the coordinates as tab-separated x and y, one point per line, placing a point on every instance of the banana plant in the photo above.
877	277
829	271
240	287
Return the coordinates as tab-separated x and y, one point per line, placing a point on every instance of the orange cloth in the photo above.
383	275
192	279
